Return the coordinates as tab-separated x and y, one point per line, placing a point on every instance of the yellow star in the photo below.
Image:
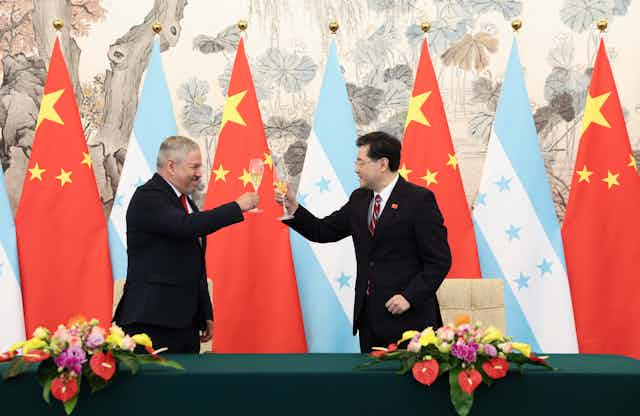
415	110
268	160
593	111
86	159
64	177
47	112
36	172
404	172
453	161
584	175
221	173
245	178
633	163
611	179
430	177
230	112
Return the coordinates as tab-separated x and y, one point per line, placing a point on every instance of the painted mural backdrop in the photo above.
107	45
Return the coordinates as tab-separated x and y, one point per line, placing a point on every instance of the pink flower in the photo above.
75	341
490	350
414	346
128	343
61	335
505	347
445	333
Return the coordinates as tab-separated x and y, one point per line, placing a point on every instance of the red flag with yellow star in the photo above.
61	230
255	294
428	159
602	224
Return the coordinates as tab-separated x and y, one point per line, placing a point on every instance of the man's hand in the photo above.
248	200
289	198
397	305
207	334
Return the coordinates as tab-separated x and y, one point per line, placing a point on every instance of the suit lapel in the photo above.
194	209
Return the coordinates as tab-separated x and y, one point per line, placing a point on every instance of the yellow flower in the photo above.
428	337
492	334
407	335
525	349
16	346
114	340
41	332
33	344
143	339
444	347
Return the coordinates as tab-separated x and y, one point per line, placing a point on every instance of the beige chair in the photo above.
481	299
118	287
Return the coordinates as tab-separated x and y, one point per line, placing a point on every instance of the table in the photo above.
328	384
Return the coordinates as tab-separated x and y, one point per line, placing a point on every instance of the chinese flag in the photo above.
61	229
428	159
255	294
602	225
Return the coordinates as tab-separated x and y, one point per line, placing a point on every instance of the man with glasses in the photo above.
400	241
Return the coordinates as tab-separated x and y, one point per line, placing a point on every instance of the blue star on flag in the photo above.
323	184
343	280
503	184
513	232
545	267
522	281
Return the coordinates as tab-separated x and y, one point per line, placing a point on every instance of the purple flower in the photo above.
94	340
465	352
72	359
490	350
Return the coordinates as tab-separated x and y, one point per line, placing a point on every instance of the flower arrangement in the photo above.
80	350
470	354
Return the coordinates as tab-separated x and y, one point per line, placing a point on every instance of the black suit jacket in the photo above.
166	278
408	255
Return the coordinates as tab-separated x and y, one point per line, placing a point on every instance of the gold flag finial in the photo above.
426	26
58	24
242	25
334	26
156	27
516	25
602	25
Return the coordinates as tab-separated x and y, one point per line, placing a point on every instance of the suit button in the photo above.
372	263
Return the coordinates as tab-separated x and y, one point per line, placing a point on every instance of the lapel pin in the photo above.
394	206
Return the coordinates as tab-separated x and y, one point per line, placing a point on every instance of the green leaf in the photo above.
461	401
149	359
17	367
127	359
46	390
444	367
69	405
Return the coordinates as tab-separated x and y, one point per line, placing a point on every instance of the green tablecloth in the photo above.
327	384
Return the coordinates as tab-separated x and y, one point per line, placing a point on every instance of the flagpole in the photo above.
516	25
156	27
426	26
333	27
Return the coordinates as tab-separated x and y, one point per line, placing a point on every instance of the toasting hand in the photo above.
248	200
285	195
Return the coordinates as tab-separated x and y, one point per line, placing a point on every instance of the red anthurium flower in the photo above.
538	360
380	351
35	356
469	380
496	368
103	365
7	356
426	372
64	388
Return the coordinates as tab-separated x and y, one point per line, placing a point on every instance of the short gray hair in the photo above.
175	148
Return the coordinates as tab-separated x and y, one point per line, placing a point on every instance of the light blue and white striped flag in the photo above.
11	316
326	273
154	122
517	230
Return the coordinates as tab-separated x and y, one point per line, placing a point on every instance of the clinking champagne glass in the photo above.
256	169
282	186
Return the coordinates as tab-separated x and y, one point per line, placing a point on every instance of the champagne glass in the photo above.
282	186
256	169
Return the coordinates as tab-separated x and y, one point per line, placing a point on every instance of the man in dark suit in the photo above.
400	241
166	294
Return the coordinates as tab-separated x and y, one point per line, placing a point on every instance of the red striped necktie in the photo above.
375	214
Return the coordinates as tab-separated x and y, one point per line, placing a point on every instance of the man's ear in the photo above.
385	163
